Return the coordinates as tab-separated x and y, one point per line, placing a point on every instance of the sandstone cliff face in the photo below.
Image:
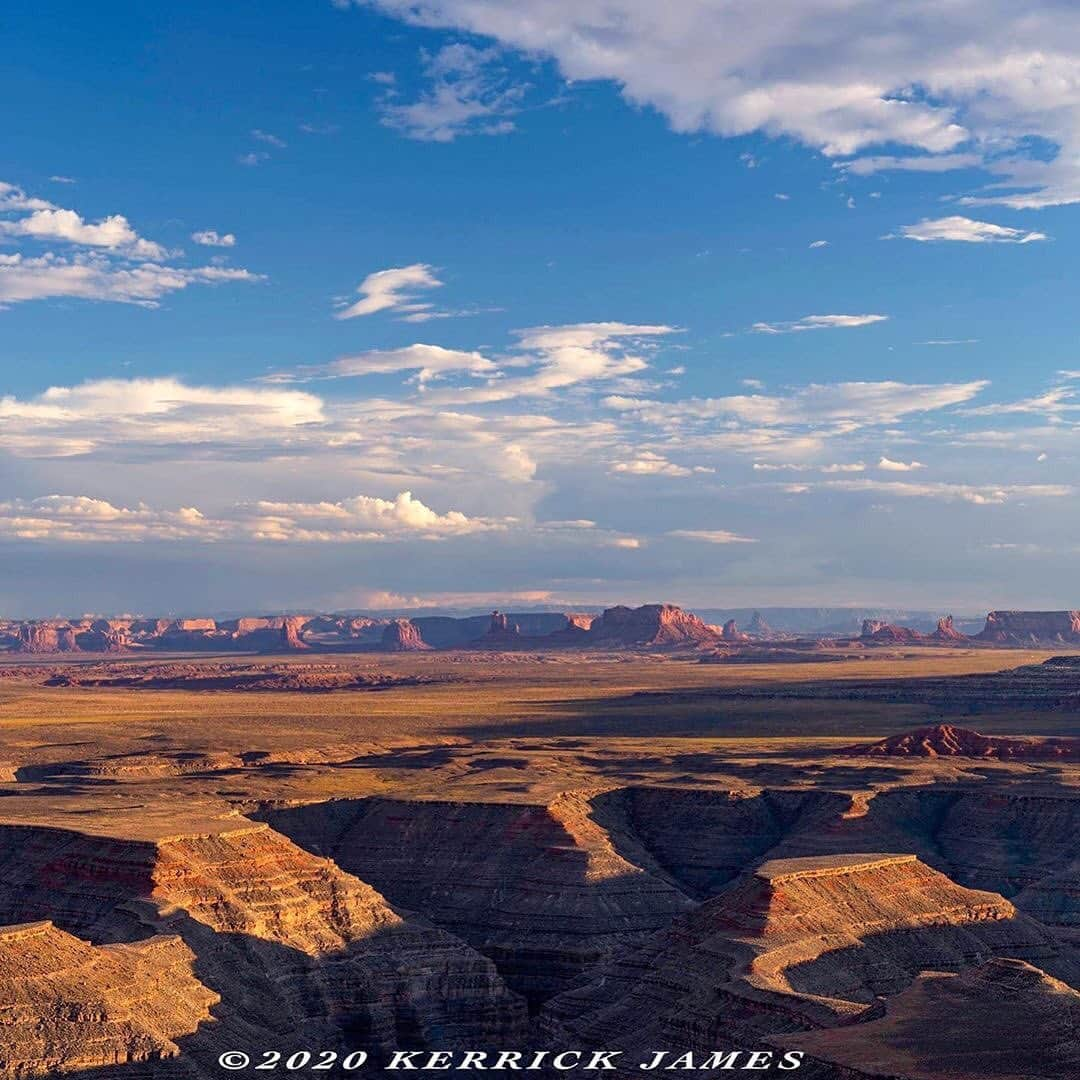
45	637
793	946
882	633
1005	1019
403	635
946	631
539	889
1031	627
650	624
731	632
291	639
66	1005
300	952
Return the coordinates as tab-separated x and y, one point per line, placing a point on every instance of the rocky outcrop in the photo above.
1031	627
650	624
758	627
403	635
731	632
292	639
541	889
946	631
876	632
67	1005
796	945
945	740
300	952
46	637
1004	1019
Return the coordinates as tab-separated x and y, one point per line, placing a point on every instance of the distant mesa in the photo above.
650	624
403	635
945	740
1031	628
876	632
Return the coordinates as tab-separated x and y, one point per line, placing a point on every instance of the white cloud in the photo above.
888	465
647	463
966	230
1060	399
867	166
565	356
711	536
849	405
270	139
392	290
91	277
112	412
985	77
979	494
631	543
469	93
819	243
114	233
428	361
818	322
212	238
81	519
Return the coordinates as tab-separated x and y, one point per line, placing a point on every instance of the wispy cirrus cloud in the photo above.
818	322
393	289
468	92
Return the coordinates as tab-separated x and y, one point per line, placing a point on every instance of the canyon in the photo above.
510	849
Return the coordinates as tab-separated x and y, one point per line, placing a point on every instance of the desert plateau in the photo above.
630	830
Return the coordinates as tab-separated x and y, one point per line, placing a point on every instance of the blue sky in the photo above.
384	304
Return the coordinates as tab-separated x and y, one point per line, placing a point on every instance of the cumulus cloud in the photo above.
114	232
965	230
79	518
818	322
392	290
212	238
988	78
647	463
111	261
888	465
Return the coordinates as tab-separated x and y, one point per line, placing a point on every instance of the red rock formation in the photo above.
67	1005
403	635
1005	1019
795	945
1031	627
650	624
944	740
292	634
882	633
731	632
946	631
46	637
